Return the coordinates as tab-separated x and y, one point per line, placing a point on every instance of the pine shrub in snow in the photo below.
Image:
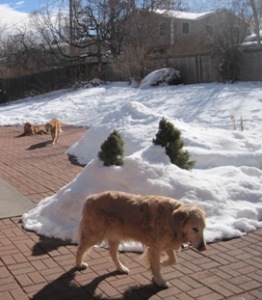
169	137
112	150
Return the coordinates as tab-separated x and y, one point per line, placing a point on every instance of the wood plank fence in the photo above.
194	69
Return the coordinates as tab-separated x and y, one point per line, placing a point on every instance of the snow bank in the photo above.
231	196
227	178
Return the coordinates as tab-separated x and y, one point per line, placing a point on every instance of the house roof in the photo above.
252	37
251	40
184	15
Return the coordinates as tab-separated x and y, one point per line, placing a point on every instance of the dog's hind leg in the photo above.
154	260
83	247
113	245
170	258
54	139
57	135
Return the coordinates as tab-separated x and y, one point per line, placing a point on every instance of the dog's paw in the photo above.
123	269
83	266
161	282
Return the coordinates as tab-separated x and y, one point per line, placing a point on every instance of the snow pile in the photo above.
165	76
230	196
226	180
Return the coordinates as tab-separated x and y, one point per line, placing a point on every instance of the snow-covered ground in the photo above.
227	178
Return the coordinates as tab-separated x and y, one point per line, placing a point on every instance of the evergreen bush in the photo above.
112	150
169	137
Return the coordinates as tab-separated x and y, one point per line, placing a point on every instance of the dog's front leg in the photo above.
113	245
154	260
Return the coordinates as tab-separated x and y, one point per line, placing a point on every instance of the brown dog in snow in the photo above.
160	223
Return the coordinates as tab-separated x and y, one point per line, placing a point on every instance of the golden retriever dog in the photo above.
54	127
161	224
30	129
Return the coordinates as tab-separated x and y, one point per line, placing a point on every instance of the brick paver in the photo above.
34	267
32	166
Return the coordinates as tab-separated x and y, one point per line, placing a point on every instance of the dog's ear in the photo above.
180	217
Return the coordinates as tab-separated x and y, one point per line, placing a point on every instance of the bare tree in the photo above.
225	38
84	28
22	53
2	54
162	4
76	31
138	54
251	10
256	7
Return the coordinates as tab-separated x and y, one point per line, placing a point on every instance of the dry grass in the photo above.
234	124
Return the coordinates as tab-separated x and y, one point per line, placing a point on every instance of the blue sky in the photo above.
24	5
31	5
16	12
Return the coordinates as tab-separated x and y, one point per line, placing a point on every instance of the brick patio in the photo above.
33	267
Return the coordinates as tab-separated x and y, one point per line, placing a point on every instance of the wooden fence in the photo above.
251	66
194	69
203	68
43	82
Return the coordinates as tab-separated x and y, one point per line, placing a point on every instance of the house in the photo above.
185	33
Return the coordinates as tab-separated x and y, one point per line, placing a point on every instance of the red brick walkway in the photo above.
32	166
33	267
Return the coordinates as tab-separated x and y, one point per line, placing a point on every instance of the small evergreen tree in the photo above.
112	150
169	137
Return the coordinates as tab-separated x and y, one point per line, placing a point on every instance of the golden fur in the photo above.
54	127
30	129
162	224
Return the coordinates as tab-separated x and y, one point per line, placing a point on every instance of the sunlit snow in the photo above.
226	180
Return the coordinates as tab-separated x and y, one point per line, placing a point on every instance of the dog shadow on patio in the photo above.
67	286
39	145
46	245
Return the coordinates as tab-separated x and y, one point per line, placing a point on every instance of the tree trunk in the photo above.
256	20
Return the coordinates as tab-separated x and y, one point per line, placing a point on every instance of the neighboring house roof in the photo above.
253	37
184	15
251	40
190	16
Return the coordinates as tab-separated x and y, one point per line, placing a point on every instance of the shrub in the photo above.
112	150
169	137
230	64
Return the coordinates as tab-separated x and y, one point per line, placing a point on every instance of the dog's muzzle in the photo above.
202	247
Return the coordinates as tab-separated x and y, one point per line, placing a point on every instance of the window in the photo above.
185	28
162	29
